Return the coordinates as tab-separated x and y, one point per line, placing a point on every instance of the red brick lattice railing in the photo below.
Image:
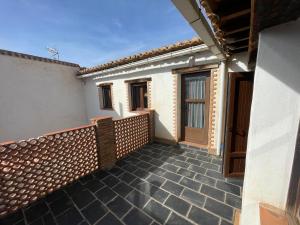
131	133
30	169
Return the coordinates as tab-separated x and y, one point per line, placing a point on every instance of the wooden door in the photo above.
237	123
195	107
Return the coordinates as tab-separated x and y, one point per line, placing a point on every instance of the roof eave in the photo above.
191	12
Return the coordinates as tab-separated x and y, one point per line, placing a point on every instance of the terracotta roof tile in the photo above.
143	55
36	58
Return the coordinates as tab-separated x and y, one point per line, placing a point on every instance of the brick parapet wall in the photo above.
33	168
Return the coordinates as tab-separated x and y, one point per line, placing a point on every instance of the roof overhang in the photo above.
192	13
174	54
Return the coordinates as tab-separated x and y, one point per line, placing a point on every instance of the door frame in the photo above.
229	120
206	73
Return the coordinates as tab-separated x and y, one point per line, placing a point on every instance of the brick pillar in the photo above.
106	143
150	113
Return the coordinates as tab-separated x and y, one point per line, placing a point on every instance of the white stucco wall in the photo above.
239	62
274	120
38	97
162	91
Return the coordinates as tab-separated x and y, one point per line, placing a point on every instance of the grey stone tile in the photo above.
228	187
217	161
174	219
157	211
194	162
156	162
94	185
144	165
214	174
170	167
153	191
193	197
197	169
177	204
110	181
205	180
235	181
48	219
105	194
71	216
210	166
224	222
109	219
12	218
141	173
119	206
94	211
181	164
136	217
173	188
213	192
130	168
172	176
127	177
122	189
219	208
36	211
137	198
204	158
186	173
116	171
83	198
202	217
156	180
159	171
60	205
190	183
233	200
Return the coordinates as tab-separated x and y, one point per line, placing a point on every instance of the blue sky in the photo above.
90	32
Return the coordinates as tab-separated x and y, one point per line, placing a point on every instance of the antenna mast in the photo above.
53	52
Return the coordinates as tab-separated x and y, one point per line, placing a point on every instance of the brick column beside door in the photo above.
105	141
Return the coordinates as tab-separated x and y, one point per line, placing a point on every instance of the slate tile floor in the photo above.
158	184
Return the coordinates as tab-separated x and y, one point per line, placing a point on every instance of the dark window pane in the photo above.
139	97
106	96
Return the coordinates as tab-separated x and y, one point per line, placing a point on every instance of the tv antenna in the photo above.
53	52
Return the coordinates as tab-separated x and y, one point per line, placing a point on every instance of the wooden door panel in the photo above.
195	107
237	123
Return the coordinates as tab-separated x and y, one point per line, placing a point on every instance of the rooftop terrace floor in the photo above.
158	184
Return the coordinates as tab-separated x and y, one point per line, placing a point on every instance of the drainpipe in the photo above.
222	109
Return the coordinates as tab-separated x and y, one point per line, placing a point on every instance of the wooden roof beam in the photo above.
235	15
236	30
232	40
237	48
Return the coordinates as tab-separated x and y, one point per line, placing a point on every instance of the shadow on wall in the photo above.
121	109
161	130
286	54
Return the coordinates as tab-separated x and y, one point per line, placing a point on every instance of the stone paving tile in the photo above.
177	204
94	211
219	208
137	217
157	211
159	184
213	192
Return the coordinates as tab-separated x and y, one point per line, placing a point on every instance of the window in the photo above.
139	96
106	97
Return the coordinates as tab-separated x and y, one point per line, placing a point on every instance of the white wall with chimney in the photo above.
274	120
162	90
38	97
